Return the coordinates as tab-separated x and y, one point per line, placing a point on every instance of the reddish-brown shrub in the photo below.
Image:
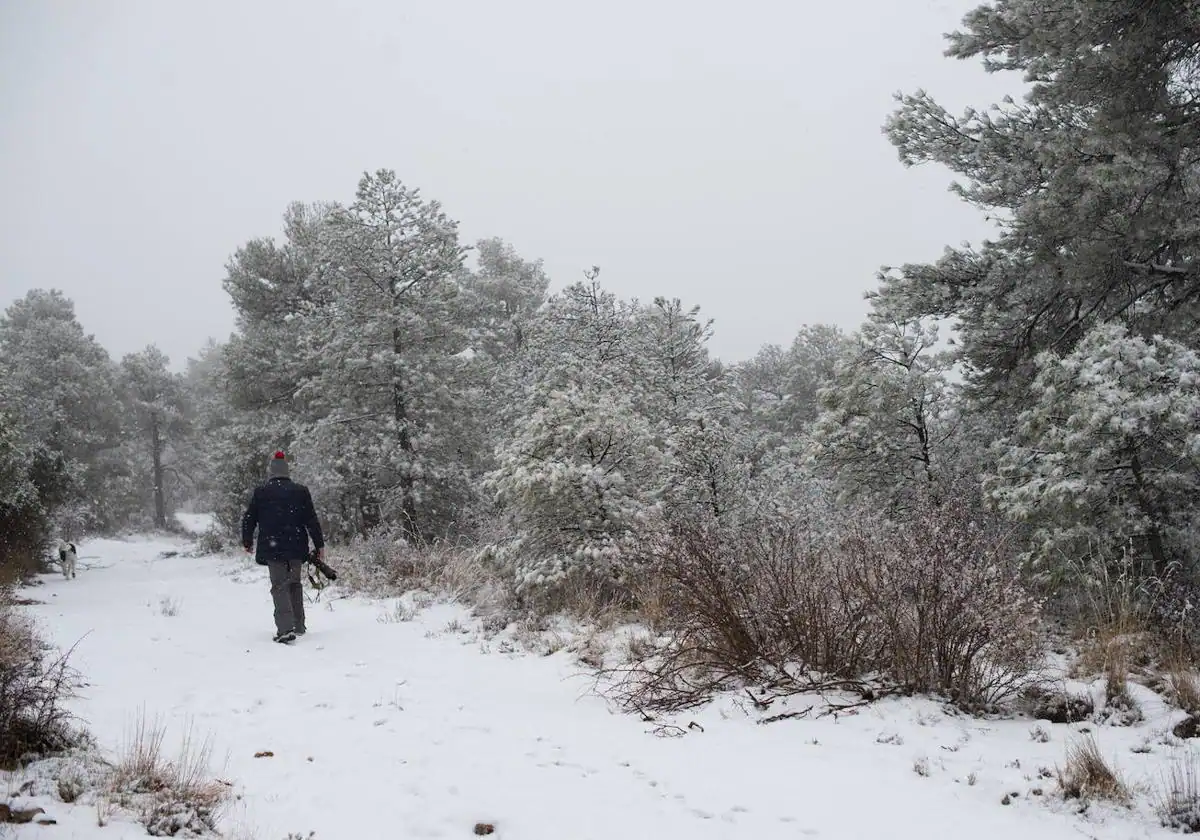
932	604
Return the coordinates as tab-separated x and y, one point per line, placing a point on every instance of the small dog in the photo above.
66	559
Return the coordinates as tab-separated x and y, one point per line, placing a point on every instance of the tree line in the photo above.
434	391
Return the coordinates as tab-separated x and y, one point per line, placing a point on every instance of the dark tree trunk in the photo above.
156	452
1154	540
408	502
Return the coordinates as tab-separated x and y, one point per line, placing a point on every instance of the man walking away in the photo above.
282	511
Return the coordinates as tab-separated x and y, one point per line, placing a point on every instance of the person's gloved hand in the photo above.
319	554
248	548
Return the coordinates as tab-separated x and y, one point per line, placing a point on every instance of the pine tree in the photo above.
1090	182
156	400
1108	455
63	386
255	401
1088	179
885	418
388	346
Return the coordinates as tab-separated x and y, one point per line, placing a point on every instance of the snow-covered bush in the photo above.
212	541
573	480
385	564
1058	705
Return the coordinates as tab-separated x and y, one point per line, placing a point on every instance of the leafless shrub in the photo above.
761	605
1087	774
639	647
1113	613
384	565
34	685
950	602
933	605
651	595
142	768
105	808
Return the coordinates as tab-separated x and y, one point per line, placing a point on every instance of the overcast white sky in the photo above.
725	153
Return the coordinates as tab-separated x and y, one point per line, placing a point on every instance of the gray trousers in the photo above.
288	594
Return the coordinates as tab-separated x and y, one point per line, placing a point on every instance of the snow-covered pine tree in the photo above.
778	388
1091	181
208	414
883	420
683	393
156	399
1108	454
63	388
253	401
509	290
576	473
572	478
499	300
776	395
388	347
1087	178
33	483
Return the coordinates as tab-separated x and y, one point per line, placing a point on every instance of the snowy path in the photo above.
410	730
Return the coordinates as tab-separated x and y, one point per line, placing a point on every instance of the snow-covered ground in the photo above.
386	728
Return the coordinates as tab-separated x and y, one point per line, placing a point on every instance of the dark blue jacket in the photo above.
283	512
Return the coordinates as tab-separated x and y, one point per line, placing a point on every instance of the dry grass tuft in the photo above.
1177	801
1087	775
142	767
172	795
1184	689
